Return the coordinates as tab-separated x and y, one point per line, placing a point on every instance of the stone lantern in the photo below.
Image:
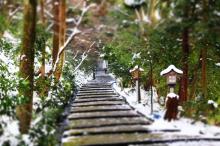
171	73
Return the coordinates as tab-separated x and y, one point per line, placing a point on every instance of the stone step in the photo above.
98	93
81	100
107	130
94	82
108	114
95	88
110	139
102	122
98	103
96	96
96	85
99	108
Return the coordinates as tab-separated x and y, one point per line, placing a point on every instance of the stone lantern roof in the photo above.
170	69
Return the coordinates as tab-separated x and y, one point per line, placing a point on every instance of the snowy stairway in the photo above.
99	116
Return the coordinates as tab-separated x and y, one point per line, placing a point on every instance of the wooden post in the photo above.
151	97
93	73
138	90
171	107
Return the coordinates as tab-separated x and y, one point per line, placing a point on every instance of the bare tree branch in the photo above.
15	11
84	56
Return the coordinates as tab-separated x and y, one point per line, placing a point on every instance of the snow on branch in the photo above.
84	56
50	26
48	13
75	55
75	32
11	14
84	10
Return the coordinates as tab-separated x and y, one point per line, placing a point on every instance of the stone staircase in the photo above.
98	116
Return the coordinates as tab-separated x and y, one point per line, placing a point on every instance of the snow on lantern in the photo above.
136	73
171	73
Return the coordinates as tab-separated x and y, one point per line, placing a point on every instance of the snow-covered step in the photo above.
98	103
94	88
81	100
99	108
103	122
98	93
120	139
108	114
107	130
96	96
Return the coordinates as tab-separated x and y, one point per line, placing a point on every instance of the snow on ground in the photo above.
5	57
10	130
81	77
187	127
199	143
12	68
9	37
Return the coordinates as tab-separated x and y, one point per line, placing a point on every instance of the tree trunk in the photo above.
204	51
56	26
185	60
102	8
204	72
184	79
62	35
44	47
24	111
42	5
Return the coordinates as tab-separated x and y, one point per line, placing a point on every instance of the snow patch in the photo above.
11	130
81	78
134	2
12	68
136	67
173	95
217	64
11	38
136	56
157	15
211	102
22	57
146	19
